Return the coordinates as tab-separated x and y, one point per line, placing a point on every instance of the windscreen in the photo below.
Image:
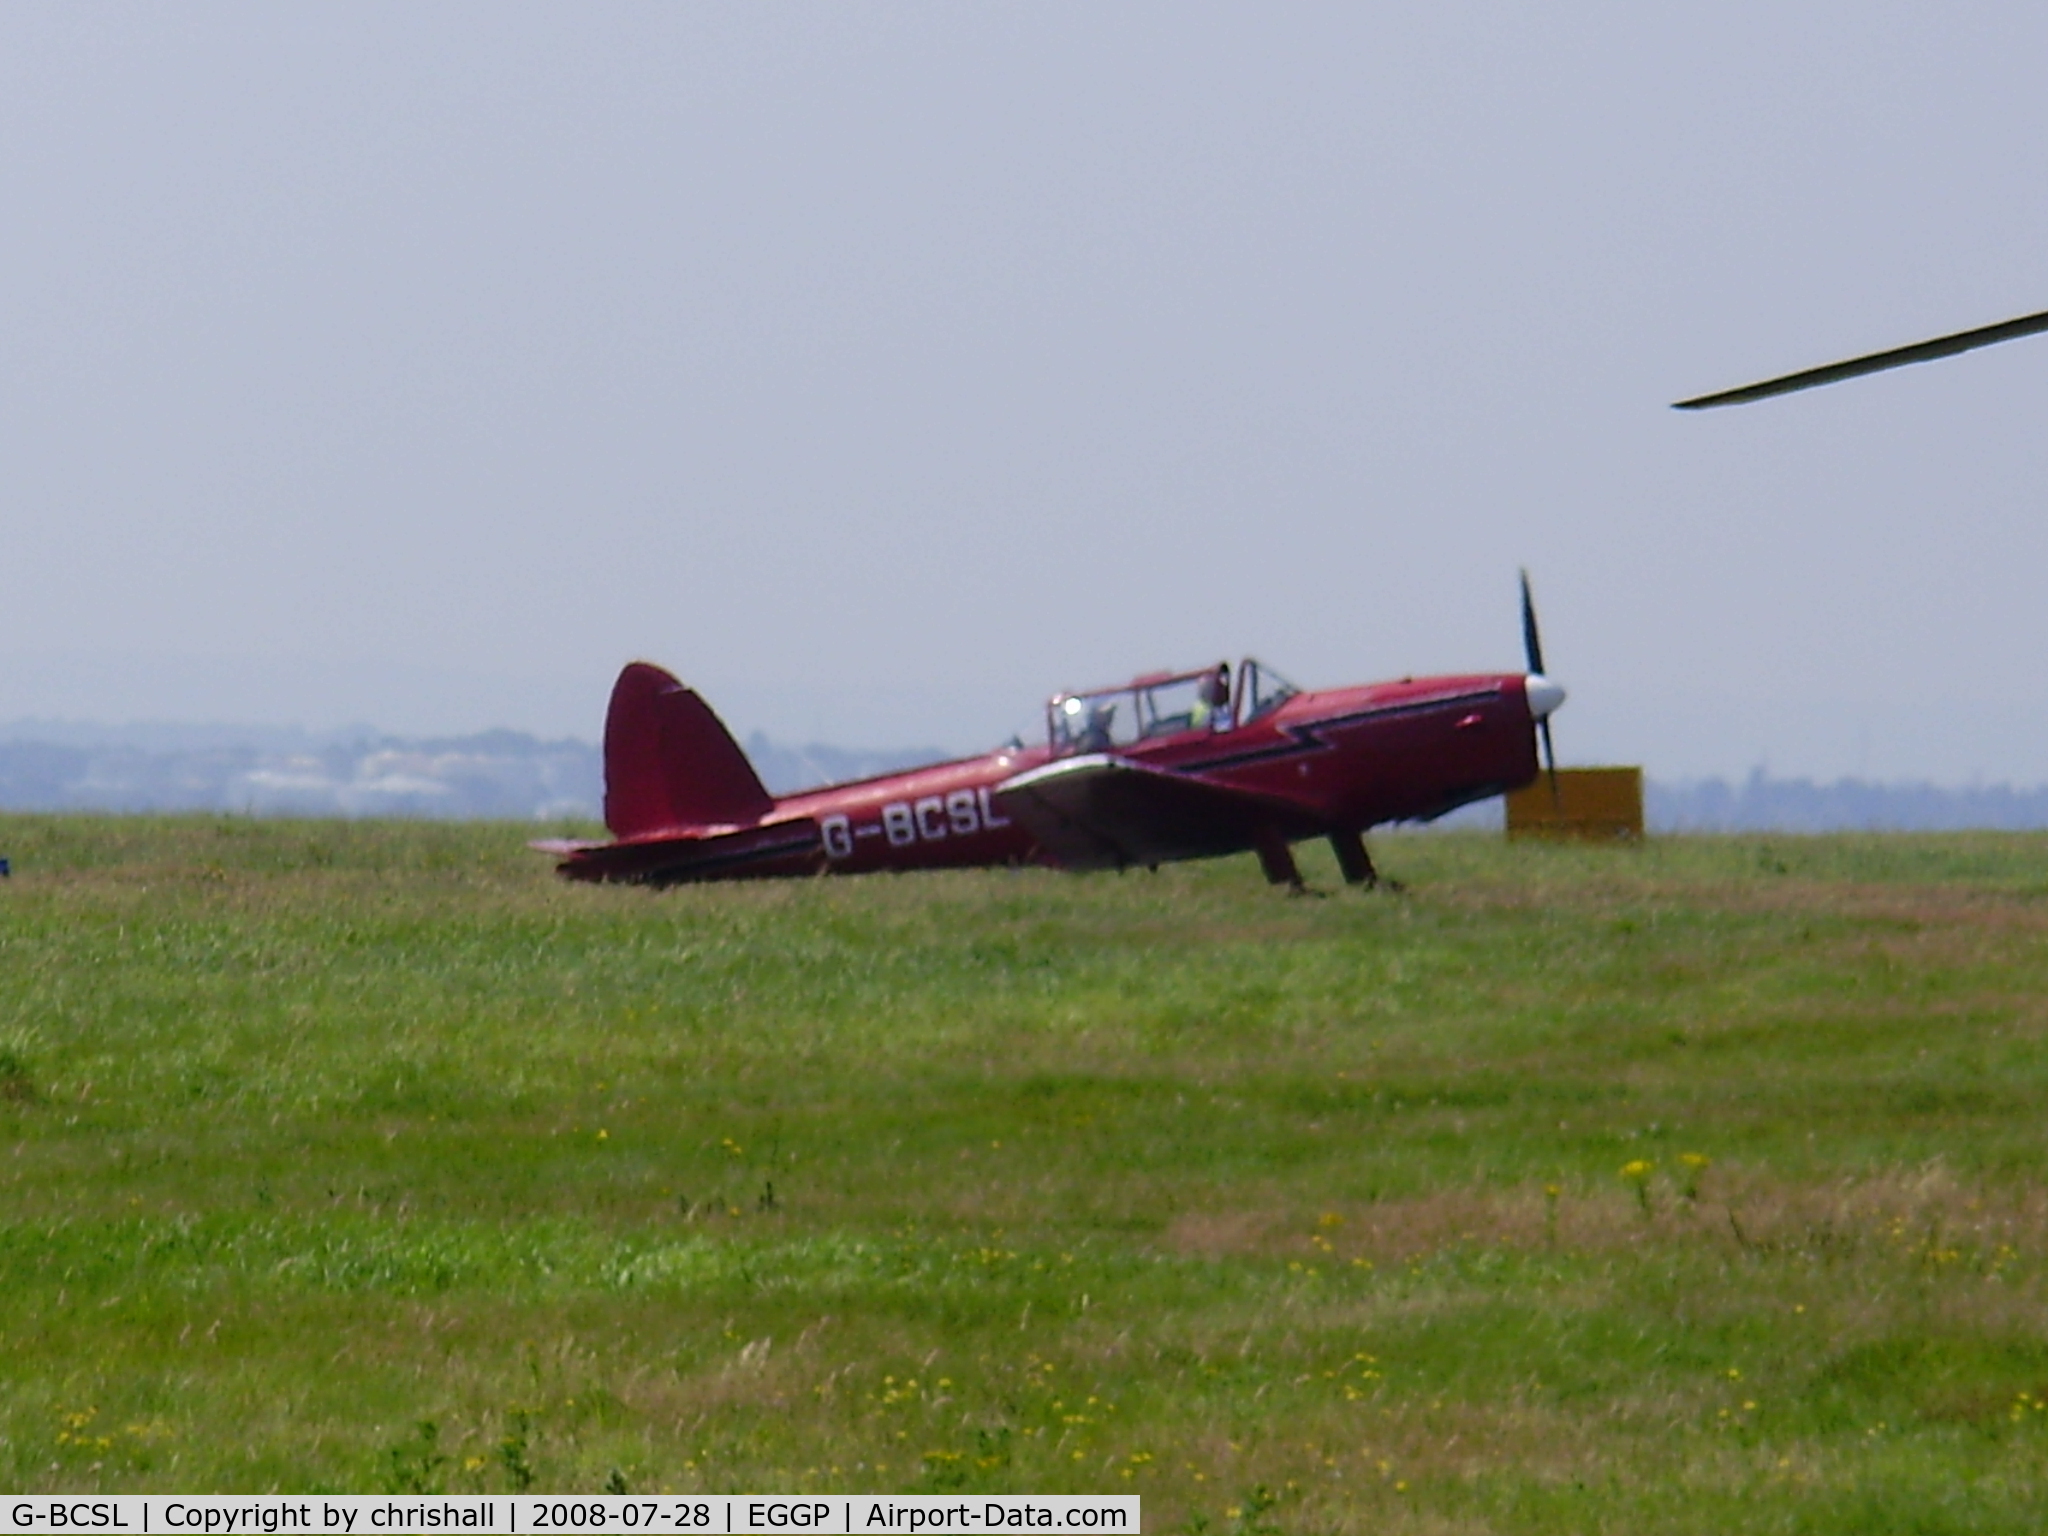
1261	690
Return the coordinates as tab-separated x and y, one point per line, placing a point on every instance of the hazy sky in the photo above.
881	369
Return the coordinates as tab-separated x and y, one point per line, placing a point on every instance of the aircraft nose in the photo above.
1544	695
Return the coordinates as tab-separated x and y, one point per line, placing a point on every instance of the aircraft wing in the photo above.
1106	812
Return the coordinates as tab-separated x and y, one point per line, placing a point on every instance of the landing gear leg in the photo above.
1353	859
1357	863
1277	860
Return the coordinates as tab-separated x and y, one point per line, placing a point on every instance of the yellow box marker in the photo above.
1595	805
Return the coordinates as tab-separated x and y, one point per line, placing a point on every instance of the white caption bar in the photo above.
161	1514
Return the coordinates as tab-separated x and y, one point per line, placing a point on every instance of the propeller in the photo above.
1875	362
1532	651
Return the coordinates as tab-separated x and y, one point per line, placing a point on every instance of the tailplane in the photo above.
669	762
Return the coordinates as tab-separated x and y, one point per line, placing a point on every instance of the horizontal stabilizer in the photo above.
780	848
562	847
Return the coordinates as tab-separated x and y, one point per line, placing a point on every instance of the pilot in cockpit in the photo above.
1095	735
1212	703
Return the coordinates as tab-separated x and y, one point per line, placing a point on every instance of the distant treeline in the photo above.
1763	804
498	774
506	774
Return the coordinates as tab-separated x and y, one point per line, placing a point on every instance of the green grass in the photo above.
367	1156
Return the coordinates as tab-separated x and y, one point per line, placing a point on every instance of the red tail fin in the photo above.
669	762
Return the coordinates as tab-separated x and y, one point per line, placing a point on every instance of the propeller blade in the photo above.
1875	362
1532	651
1532	643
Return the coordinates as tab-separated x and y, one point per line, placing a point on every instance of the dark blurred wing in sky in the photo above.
1875	362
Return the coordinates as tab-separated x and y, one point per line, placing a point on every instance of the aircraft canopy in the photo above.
1162	704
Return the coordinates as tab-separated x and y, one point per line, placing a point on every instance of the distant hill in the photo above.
1763	804
786	769
496	774
57	766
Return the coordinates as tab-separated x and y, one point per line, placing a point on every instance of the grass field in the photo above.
1695	1188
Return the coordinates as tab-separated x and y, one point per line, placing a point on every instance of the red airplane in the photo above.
1174	765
